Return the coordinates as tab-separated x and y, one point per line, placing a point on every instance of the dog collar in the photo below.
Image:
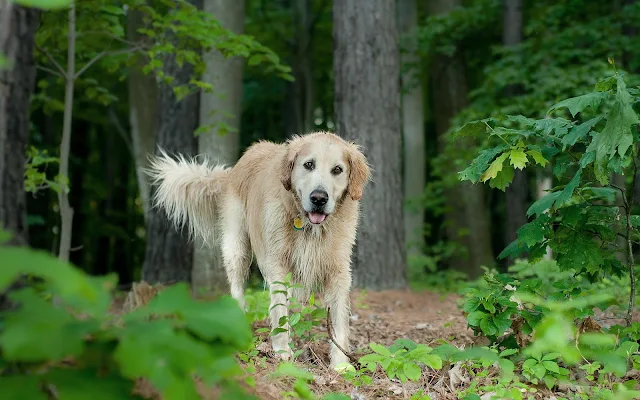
298	224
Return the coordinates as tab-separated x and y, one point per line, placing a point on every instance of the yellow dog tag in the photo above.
298	223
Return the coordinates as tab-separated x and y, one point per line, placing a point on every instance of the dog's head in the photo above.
321	169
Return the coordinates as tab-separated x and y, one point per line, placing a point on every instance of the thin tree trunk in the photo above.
222	106
18	26
66	212
412	129
544	183
367	107
467	214
143	112
517	193
169	254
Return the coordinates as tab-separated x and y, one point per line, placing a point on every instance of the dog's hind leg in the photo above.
236	247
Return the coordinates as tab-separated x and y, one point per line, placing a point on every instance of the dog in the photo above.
294	206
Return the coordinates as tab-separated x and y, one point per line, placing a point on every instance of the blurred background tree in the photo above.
211	87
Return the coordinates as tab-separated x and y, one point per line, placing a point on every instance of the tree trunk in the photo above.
544	183
517	193
412	129
467	215
222	106
18	26
169	254
367	107
66	211
143	112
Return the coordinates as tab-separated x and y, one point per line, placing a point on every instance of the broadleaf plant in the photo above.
587	139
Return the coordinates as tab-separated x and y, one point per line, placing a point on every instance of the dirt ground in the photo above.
380	317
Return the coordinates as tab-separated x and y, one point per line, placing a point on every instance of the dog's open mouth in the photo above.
316	217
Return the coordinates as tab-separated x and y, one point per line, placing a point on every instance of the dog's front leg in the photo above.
337	301
279	310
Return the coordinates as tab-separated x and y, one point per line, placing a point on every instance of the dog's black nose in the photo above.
319	198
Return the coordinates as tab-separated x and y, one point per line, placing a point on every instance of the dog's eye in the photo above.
337	170
308	165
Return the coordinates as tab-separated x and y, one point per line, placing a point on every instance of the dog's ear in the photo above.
359	173
287	166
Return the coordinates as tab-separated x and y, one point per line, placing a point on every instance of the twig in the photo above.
123	133
333	340
630	259
53	61
90	63
49	70
103	54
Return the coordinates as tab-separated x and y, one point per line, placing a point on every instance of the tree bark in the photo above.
467	215
143	112
18	26
412	129
66	211
367	107
222	106
169	254
517	193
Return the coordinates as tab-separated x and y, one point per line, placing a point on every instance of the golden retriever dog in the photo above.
294	206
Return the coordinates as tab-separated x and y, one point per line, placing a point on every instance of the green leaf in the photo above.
21	387
494	168
412	371
479	165
579	132
551	366
208	320
533	232
616	137
380	349
504	178
605	84
22	338
578	104
75	384
44	4
488	327
551	356
543	204
508	352
537	157
475	317
518	158
432	361
473	128
568	190
538	370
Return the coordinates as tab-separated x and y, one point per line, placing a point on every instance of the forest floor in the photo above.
383	317
380	317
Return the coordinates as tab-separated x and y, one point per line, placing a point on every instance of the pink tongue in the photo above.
316	218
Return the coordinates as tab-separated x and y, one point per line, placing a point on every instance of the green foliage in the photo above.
580	219
301	318
403	360
35	178
300	389
62	335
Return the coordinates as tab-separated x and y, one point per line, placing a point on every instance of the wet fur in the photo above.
255	203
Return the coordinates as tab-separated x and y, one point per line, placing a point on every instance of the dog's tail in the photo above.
188	191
